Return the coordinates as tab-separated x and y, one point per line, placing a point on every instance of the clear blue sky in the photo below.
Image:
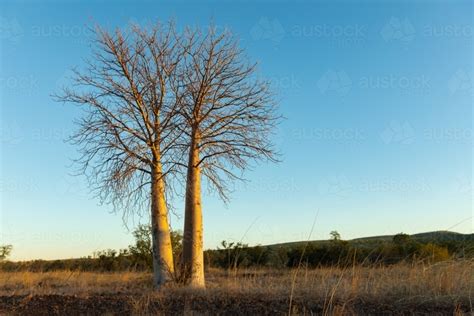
378	101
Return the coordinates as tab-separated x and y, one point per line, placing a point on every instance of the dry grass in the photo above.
330	290
72	282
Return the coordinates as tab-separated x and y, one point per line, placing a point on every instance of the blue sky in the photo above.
377	139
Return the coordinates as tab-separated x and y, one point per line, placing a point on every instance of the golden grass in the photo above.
71	282
441	279
333	288
447	279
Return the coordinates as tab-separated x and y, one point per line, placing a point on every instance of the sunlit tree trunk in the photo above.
228	116
131	91
193	257
163	266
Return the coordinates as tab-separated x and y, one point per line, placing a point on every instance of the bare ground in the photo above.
122	304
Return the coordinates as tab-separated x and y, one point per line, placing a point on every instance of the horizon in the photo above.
377	136
265	245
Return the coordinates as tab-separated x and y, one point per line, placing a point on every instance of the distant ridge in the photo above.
441	235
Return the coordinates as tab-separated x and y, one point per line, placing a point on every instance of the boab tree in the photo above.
129	92
229	115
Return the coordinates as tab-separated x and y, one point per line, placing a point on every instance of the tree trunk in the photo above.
193	257
163	266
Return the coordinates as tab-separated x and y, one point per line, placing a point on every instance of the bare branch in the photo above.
230	114
130	93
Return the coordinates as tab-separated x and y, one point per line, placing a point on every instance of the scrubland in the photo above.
443	288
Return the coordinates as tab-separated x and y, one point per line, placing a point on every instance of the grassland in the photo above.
435	289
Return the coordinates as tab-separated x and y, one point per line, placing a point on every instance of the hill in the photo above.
434	236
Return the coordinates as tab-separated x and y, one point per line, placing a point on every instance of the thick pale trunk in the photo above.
163	266
193	257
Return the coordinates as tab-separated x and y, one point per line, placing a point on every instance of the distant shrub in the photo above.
5	251
434	253
401	239
335	235
140	254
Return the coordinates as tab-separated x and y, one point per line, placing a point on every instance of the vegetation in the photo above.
160	106
421	289
416	274
5	251
130	94
400	248
337	252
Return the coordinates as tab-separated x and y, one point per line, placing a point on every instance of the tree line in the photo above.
234	255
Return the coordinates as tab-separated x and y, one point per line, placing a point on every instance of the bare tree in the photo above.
229	115
130	91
